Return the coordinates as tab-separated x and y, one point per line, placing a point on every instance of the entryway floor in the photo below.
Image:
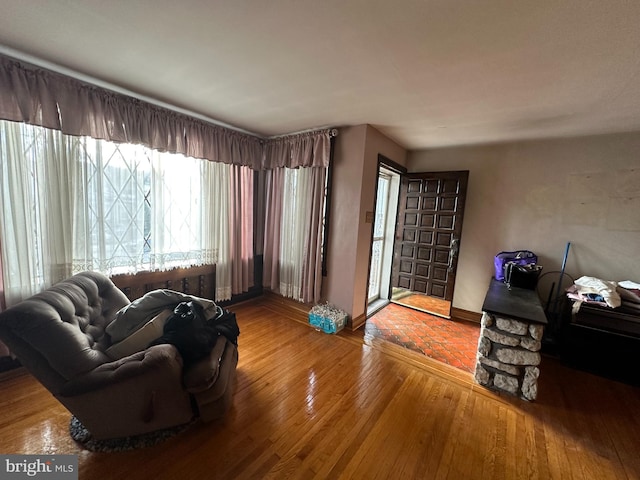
424	303
453	342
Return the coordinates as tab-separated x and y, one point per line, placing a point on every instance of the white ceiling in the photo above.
427	73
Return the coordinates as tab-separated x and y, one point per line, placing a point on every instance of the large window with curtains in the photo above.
76	203
93	179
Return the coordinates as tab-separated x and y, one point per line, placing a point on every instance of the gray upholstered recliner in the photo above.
59	336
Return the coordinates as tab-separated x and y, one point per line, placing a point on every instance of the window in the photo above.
76	203
377	246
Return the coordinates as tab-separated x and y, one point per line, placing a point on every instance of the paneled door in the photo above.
428	232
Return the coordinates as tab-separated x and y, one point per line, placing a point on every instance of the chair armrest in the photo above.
203	374
159	358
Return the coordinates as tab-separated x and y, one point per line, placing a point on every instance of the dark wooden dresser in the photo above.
604	341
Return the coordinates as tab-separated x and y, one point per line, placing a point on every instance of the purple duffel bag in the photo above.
520	257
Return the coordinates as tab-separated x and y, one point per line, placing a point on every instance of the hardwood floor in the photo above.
311	405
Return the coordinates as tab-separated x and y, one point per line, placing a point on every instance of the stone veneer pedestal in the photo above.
510	340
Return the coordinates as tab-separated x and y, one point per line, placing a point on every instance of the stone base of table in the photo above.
509	355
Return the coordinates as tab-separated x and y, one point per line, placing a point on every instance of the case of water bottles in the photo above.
327	318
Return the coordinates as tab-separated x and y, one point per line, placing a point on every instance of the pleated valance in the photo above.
311	149
41	97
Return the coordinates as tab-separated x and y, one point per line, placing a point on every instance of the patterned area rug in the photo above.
448	341
81	435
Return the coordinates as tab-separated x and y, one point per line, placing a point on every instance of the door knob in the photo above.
454	248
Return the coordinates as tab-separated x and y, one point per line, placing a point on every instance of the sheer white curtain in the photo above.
295	211
69	204
228	190
35	195
177	197
216	225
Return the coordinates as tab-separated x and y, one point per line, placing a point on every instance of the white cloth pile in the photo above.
594	290
604	293
630	294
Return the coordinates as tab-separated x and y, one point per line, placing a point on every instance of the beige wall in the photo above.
353	192
348	164
539	195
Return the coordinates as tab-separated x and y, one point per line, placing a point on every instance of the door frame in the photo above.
383	173
400	170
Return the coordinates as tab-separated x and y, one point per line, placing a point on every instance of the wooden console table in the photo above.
518	303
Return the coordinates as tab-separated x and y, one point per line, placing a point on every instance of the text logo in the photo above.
50	467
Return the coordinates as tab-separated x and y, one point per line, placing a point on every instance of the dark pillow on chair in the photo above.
188	331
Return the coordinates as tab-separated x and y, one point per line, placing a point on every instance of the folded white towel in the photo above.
629	284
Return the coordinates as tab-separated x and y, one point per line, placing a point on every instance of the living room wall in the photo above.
539	195
354	184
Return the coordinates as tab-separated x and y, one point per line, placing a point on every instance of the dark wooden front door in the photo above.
428	232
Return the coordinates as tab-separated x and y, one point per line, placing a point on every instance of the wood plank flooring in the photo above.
310	405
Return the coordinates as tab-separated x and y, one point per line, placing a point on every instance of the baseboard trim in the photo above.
359	321
254	292
466	315
14	372
290	302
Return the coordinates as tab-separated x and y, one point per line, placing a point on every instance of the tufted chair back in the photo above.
60	333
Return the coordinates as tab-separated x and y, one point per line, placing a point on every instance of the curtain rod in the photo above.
333	132
38	62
